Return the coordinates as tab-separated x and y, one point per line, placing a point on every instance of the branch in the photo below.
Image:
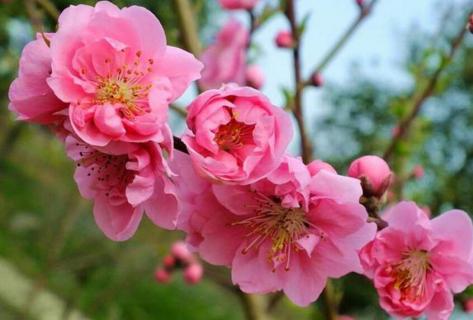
419	97
253	306
364	13
297	109
50	8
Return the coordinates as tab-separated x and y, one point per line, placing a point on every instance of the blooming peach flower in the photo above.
114	69
374	173
124	180
289	231
236	135
30	96
417	263
238	4
225	60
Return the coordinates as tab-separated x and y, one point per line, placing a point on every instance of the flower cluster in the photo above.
104	82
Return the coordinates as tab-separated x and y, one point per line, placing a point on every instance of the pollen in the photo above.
234	135
281	226
410	273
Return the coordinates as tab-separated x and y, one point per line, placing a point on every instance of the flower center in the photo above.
108	171
281	226
410	273
125	85
234	135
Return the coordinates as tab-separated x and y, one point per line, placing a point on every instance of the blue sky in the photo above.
378	46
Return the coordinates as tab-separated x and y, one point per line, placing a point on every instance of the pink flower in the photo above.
254	76
284	39
374	173
316	165
238	4
286	232
30	96
417	263
236	135
124	180
193	273
225	60
115	70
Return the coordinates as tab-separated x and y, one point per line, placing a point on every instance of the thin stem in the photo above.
50	8
297	108
189	29
329	302
419	97
364	13
253	306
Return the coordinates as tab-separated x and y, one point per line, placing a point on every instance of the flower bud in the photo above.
470	24
169	262
284	39
418	172
193	273
317	165
254	76
179	251
162	276
316	79
360	3
468	305
374	174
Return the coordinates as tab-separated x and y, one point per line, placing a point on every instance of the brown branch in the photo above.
253	306
297	108
419	97
364	13
189	31
50	8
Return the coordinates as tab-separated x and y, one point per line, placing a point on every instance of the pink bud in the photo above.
374	173
162	276
193	273
470	24
418	171
284	39
360	3
169	262
317	165
179	250
468	305
254	76
238	4
396	131
317	80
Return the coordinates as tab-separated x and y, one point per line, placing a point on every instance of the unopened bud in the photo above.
193	273
468	305
470	24
316	79
162	276
284	39
179	251
169	262
254	76
374	173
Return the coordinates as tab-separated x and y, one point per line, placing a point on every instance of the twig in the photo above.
34	15
364	13
329	302
253	306
419	97
179	110
50	8
306	145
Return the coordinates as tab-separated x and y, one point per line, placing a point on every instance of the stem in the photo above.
50	8
253	306
189	29
306	145
364	13
419	97
329	302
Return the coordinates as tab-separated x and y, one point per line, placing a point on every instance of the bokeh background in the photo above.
53	257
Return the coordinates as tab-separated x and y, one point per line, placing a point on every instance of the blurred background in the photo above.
56	264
